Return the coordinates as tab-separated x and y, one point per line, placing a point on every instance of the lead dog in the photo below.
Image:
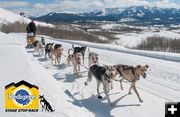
93	58
102	75
75	58
131	74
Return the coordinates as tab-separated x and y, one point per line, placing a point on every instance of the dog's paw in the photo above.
100	97
130	93
85	83
141	101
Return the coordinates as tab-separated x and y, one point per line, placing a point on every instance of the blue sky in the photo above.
40	7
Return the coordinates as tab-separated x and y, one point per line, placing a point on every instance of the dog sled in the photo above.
30	39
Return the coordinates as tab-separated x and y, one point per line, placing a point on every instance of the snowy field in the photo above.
133	39
68	95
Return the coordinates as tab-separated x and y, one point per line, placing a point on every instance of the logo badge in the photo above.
21	96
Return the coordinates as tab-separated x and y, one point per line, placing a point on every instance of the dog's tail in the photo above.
70	51
73	46
89	49
89	77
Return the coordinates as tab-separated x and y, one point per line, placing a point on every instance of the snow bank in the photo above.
159	55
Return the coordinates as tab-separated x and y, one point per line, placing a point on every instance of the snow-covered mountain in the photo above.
140	14
104	12
10	17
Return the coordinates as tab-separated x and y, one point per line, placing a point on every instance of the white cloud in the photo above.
10	4
87	5
166	4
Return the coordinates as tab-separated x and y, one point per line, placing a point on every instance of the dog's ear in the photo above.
147	66
115	66
138	66
84	46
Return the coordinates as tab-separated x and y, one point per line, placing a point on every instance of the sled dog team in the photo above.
104	75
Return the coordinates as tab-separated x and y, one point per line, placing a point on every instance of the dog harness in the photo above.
98	71
126	67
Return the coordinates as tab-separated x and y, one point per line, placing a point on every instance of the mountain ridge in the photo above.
142	15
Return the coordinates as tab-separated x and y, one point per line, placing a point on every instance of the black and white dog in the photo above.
103	75
45	104
81	50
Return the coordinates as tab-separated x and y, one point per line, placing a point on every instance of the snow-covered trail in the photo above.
161	85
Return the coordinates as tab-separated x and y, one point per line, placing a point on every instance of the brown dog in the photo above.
56	53
75	58
131	74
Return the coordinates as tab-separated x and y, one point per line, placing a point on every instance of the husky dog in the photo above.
93	58
56	53
131	74
48	49
81	50
75	58
38	47
45	104
102	75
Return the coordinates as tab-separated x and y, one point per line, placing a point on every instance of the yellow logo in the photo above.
21	97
